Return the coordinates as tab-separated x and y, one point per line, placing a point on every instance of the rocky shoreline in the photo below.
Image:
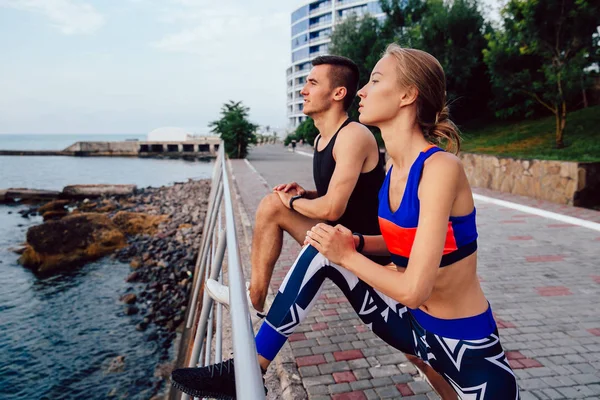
161	231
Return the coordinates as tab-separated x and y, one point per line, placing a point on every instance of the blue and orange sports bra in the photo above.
399	228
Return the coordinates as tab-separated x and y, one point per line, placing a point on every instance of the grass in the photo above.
535	139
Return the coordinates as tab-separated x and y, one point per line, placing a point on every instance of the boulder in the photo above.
72	240
83	191
55	205
54	215
129	298
137	223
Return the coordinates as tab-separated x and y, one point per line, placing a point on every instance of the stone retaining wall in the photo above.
561	182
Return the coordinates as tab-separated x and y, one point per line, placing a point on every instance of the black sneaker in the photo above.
215	381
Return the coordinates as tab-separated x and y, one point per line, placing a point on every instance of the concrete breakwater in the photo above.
198	147
162	231
15	195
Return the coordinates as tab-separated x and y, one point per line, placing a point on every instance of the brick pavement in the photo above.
541	277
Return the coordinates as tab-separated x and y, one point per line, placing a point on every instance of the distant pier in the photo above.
197	147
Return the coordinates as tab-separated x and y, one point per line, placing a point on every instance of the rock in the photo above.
137	223
135	263
152	336
141	326
129	298
107	208
17	250
131	310
54	215
55	205
86	191
70	241
117	364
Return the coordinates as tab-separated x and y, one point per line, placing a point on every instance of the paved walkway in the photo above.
541	276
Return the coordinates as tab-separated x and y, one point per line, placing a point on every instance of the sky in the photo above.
130	66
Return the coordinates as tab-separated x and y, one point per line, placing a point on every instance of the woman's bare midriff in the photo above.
456	292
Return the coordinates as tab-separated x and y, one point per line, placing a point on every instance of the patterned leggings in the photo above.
466	351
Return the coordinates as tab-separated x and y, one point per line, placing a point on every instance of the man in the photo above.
347	173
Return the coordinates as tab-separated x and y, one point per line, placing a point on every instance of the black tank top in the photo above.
361	211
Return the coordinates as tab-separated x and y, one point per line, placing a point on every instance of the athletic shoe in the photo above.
214	381
220	294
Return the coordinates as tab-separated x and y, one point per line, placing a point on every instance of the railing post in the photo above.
207	304
202	260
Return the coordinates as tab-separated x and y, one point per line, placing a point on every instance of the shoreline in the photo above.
161	262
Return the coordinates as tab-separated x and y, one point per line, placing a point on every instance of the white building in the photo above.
312	24
169	134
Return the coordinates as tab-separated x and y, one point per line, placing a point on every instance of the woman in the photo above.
429	302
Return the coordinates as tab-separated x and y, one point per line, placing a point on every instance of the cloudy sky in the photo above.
129	66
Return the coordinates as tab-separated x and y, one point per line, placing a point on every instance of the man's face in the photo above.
317	92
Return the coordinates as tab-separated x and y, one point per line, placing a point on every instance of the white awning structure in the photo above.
169	134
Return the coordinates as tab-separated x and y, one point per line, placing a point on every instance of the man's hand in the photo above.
290	187
285	197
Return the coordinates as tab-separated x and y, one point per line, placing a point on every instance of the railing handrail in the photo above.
249	383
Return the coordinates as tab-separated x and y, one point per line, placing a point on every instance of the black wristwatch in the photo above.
293	199
361	241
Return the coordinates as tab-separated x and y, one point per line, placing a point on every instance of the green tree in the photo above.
542	50
307	131
454	33
288	139
363	41
234	129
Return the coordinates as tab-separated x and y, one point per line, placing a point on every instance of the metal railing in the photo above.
216	239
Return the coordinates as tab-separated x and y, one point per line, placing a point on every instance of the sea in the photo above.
59	333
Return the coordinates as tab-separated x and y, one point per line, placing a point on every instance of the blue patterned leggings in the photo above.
466	351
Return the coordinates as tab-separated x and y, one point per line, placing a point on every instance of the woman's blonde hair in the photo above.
423	71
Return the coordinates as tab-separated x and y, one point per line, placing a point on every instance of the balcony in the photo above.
347	3
325	7
319	40
317	54
319	25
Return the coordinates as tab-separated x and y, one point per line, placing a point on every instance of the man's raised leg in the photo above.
271	220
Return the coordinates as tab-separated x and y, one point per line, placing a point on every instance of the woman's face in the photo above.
380	98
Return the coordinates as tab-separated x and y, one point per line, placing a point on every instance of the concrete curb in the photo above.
285	363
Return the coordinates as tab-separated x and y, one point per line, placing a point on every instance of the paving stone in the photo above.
337	366
318	380
355	395
361	384
404	378
309	371
358	363
585	379
362	373
380	382
419	387
388	392
330	348
395	358
528	396
339	388
371	394
384	370
318	389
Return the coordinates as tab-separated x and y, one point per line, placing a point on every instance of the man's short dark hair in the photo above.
344	72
